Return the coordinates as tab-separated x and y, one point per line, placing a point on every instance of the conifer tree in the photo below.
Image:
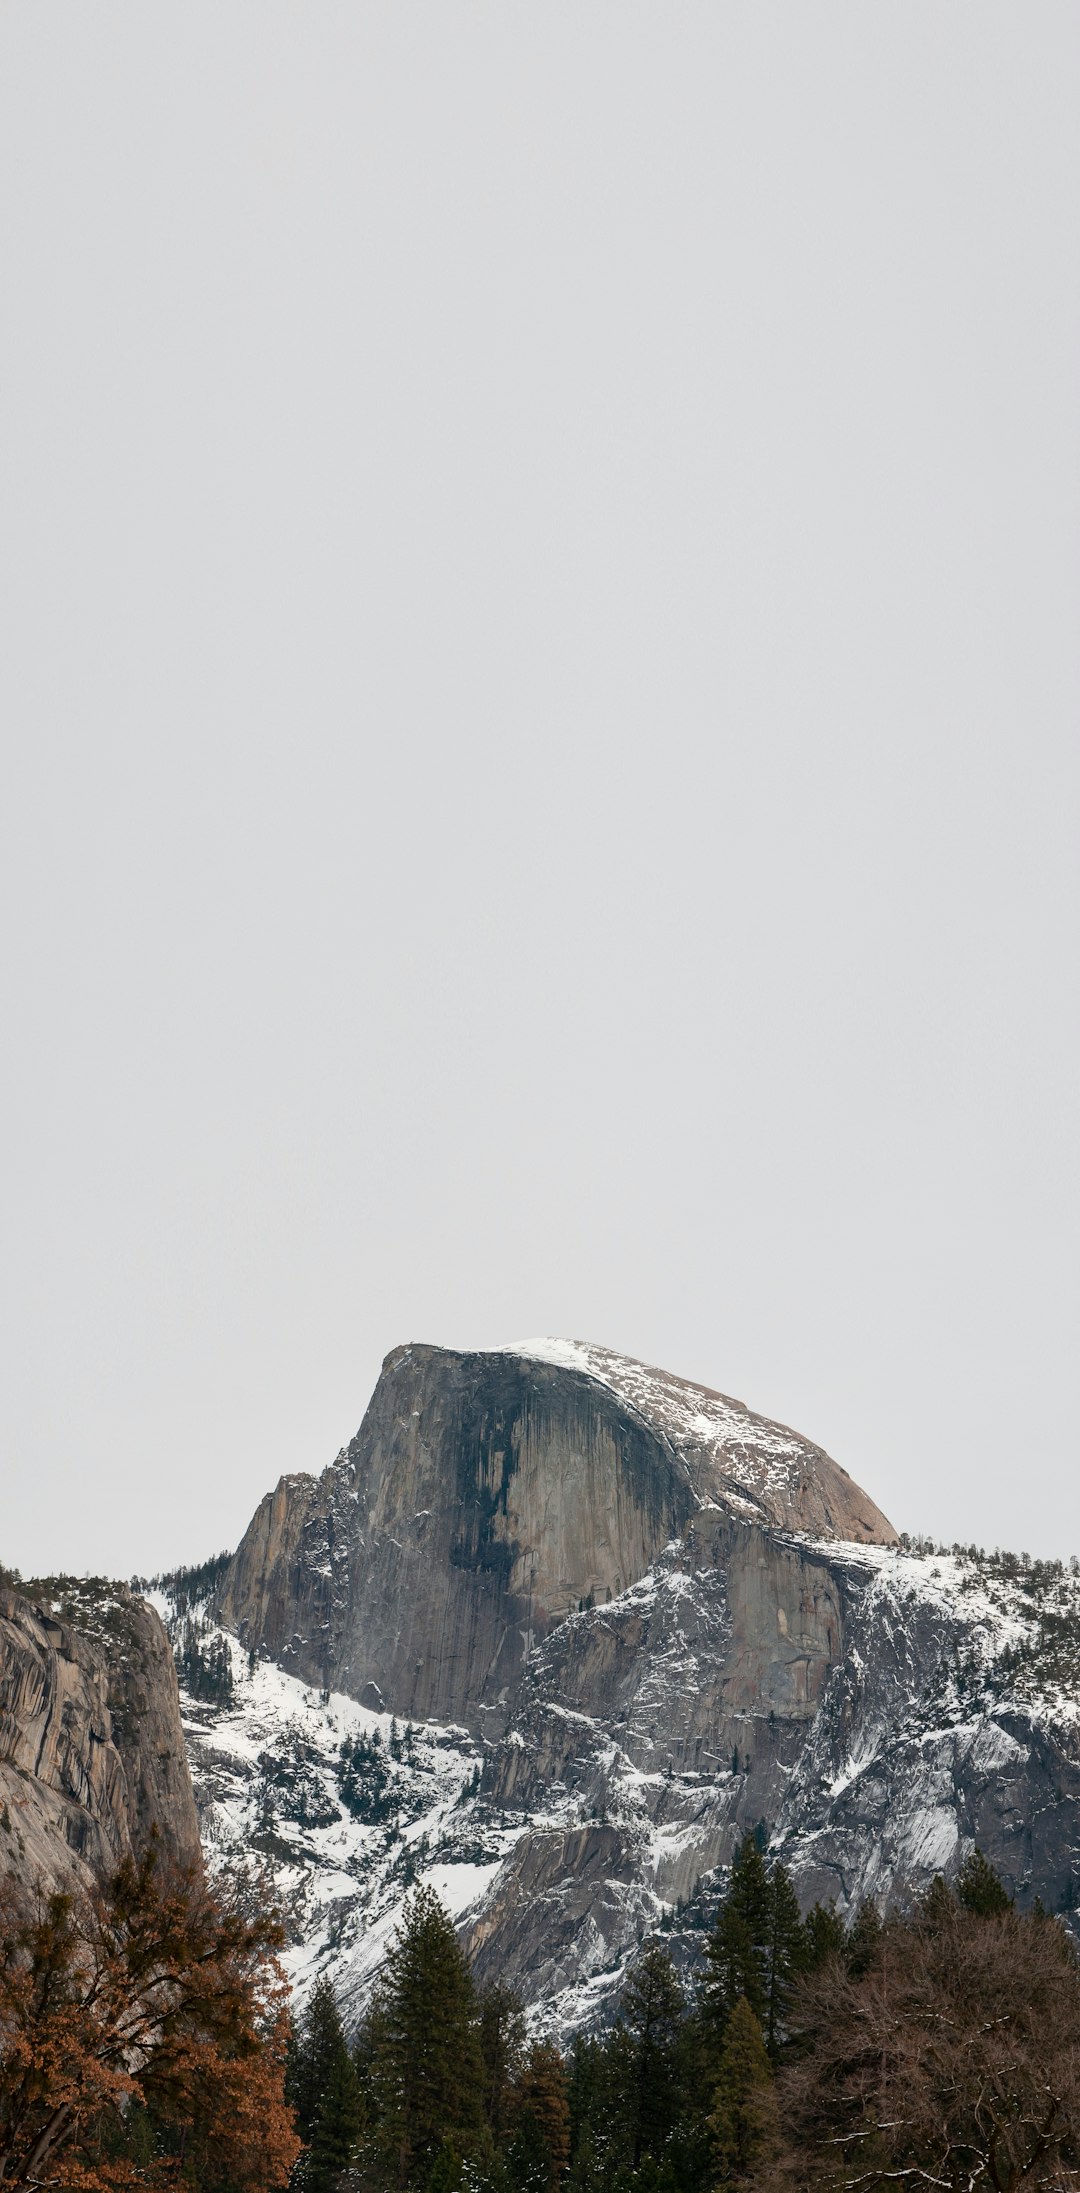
738	1948
324	2090
426	2069
540	2150
446	2170
824	1935
502	2047
652	2007
979	1888
337	2128
787	1955
743	2118
864	1935
313	2045
585	2086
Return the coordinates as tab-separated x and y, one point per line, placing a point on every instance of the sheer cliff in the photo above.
486	1497
92	1753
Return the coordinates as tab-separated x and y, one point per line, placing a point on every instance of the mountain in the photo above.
485	1499
92	1752
579	1626
553	1633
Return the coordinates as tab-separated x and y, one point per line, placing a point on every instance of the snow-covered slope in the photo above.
879	1710
266	1764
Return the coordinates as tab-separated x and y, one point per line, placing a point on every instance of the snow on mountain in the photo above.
762	1467
647	1735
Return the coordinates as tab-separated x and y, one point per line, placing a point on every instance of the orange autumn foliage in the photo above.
142	2039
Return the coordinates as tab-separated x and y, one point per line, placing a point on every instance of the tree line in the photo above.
145	2041
938	2049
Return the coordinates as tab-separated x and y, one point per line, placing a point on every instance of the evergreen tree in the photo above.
652	2007
205	1670
787	1956
446	2171
979	1887
502	2047
337	2128
936	1908
602	2089
737	1951
864	1935
426	2068
540	2149
323	2088
585	2089
743	2119
824	1935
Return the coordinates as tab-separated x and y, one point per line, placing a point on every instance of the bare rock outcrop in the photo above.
485	1498
91	1748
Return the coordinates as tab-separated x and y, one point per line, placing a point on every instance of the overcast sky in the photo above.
540	690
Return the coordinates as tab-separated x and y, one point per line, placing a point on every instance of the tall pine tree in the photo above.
743	2116
737	1951
323	2088
502	2047
426	2072
540	2149
652	2008
979	1889
786	1956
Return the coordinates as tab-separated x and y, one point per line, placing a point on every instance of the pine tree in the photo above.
737	1951
540	2149
502	2047
427	2073
652	2007
787	1956
742	2121
864	1935
979	1887
824	1935
446	2170
324	2090
337	2128
585	2088
936	1908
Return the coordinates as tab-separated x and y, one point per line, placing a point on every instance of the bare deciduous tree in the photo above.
951	2063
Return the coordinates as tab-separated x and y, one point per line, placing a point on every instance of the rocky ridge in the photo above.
92	1752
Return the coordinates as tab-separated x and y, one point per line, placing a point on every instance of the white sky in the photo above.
540	677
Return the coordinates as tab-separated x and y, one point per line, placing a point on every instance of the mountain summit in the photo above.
488	1496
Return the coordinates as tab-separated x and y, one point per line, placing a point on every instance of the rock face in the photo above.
638	1622
876	1711
487	1497
91	1748
877	1714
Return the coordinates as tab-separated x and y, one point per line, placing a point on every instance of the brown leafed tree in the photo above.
949	2059
142	2039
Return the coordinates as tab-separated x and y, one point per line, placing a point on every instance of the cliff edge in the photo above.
485	1498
